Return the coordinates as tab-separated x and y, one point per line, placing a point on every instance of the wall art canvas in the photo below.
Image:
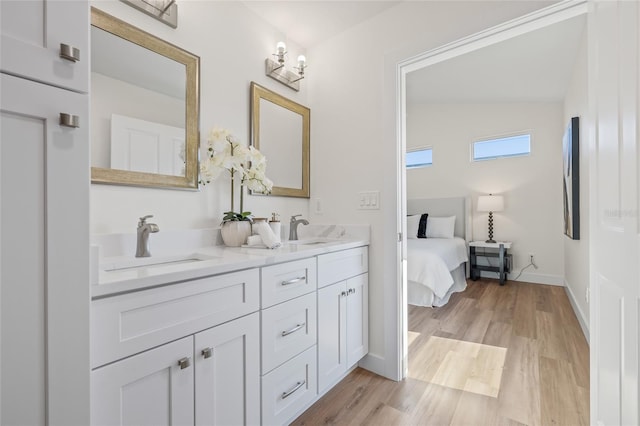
571	178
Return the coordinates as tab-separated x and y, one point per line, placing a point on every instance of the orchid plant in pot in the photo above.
244	164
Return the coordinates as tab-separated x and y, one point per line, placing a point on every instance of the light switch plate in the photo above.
369	200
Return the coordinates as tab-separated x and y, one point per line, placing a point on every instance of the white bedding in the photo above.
431	260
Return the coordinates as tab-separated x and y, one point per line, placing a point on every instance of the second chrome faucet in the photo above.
293	226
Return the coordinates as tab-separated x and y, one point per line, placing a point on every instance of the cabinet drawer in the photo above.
287	280
288	389
288	329
340	265
128	324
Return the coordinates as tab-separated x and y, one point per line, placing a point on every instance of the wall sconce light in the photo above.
165	11
276	69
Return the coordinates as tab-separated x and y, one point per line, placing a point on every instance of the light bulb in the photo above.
301	60
281	47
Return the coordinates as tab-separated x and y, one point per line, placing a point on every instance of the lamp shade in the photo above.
490	203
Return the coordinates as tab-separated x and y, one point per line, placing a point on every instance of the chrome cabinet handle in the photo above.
69	120
207	353
69	53
293	280
184	363
293	330
295	388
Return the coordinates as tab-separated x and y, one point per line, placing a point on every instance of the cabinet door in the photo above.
332	348
228	373
32	32
150	388
357	318
44	228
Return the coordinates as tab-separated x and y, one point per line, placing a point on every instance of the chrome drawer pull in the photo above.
293	281
184	363
69	53
295	388
293	330
69	120
207	353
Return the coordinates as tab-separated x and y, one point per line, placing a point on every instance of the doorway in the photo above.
436	59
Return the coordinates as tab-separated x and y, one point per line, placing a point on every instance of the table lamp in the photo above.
490	203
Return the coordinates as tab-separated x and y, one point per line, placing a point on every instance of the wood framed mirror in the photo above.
145	108
280	129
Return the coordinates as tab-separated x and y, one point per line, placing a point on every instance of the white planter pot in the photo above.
235	234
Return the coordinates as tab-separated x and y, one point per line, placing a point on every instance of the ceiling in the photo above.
534	67
309	22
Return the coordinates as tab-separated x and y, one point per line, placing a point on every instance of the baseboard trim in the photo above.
546	279
374	363
584	324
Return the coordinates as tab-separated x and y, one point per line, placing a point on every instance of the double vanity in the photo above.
222	335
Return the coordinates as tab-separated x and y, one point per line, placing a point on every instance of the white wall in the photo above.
352	92
576	252
531	185
232	43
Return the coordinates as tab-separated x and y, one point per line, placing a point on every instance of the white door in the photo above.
228	373
332	336
615	277
357	318
151	388
44	262
144	146
32	34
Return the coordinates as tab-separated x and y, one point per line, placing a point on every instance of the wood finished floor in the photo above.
543	376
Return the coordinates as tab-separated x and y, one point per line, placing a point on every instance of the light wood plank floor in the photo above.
511	355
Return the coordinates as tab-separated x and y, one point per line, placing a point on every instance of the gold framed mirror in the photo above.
145	108
280	129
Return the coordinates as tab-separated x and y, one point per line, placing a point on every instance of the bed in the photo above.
437	266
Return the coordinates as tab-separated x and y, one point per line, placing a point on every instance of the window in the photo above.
421	157
510	146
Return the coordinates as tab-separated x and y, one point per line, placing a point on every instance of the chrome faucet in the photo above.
293	226
144	229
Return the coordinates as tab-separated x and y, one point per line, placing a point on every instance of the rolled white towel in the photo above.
269	239
254	240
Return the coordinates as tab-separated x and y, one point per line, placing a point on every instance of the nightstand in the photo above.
498	250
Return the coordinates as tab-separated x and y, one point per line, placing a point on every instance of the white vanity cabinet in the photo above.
44	226
343	313
208	373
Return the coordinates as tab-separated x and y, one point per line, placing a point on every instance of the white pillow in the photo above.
440	227
413	222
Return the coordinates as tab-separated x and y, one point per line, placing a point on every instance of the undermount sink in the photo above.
152	262
311	241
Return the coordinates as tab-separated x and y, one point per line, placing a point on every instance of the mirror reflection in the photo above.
280	130
144	107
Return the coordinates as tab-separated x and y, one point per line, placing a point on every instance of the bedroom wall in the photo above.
576	252
531	185
232	42
352	92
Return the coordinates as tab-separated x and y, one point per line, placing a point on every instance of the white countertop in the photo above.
217	259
